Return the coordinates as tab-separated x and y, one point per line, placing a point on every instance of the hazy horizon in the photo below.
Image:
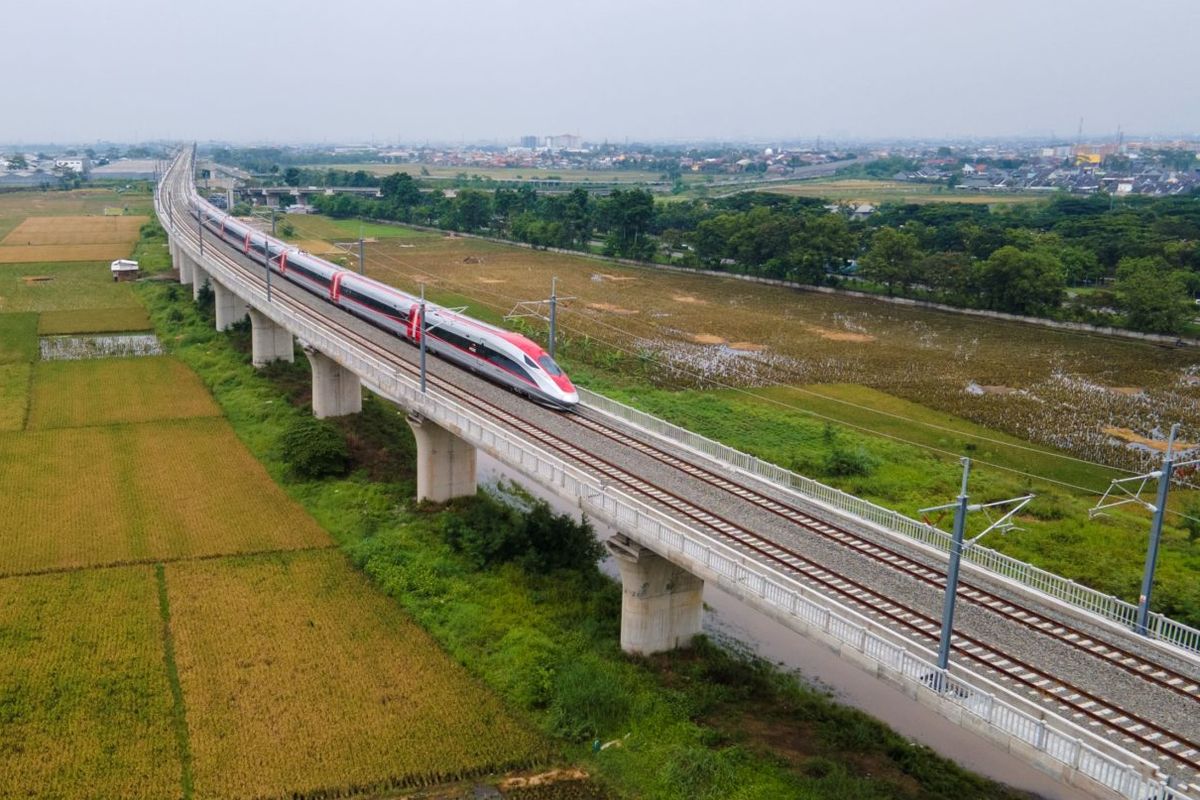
360	71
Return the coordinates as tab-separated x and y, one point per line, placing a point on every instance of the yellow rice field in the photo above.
77	497
14	391
116	390
30	254
85	706
74	230
300	677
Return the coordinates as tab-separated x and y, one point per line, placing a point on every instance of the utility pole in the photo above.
1158	510
957	547
272	221
421	337
200	231
553	314
362	263
1156	523
267	265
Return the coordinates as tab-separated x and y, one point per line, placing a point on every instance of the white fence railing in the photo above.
1001	713
1113	608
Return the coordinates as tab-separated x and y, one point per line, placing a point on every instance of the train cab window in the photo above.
530	362
548	364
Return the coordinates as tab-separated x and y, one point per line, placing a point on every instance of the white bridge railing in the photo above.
998	712
1113	608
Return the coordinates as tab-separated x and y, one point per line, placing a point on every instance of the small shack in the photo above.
124	270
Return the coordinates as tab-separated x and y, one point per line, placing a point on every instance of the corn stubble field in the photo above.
172	623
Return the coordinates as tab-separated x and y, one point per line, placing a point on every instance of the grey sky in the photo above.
303	70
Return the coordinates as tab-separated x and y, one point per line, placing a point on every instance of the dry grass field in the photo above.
31	254
1054	388
300	677
68	287
85	706
78	497
74	231
93	320
15	207
116	390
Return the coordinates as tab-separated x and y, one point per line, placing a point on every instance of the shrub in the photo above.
488	532
844	462
314	449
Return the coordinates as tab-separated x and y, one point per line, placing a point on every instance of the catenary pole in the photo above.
1156	524
960	526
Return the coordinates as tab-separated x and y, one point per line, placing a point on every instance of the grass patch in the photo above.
85	706
104	391
79	497
18	338
94	320
179	712
67	287
864	190
290	655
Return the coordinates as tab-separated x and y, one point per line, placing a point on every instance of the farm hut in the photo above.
124	270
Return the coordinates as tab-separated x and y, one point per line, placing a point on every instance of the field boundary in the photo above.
141	562
178	709
927	305
1068	591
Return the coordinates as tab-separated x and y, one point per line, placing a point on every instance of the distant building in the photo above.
530	142
80	165
564	141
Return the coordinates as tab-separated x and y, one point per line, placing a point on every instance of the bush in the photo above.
314	449
590	700
845	462
488	532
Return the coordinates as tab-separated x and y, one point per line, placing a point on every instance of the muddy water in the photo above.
728	618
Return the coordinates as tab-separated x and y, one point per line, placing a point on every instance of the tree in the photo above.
400	189
17	161
1022	282
1153	296
472	210
891	259
291	176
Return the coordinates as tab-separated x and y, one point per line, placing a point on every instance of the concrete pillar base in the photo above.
661	603
199	279
268	341
185	267
445	463
336	390
230	308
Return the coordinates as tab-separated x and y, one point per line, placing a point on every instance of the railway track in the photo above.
1158	674
1075	702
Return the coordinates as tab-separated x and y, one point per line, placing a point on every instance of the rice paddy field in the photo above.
300	677
85	704
173	623
68	286
16	207
116	390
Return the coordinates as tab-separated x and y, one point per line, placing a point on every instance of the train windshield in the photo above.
548	364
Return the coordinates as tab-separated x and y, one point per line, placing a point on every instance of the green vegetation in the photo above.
92	320
546	637
18	338
877	192
61	286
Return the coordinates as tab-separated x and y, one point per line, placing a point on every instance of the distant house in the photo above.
862	211
125	270
78	164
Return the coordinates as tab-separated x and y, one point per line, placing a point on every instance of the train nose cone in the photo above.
571	398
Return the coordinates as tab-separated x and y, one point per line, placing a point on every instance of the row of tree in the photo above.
1136	263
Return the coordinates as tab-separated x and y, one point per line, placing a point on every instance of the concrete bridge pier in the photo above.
661	602
230	308
199	278
184	264
445	463
268	341
336	390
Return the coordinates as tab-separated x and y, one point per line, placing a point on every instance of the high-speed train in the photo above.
501	356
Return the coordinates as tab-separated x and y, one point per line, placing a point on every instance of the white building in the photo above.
77	164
